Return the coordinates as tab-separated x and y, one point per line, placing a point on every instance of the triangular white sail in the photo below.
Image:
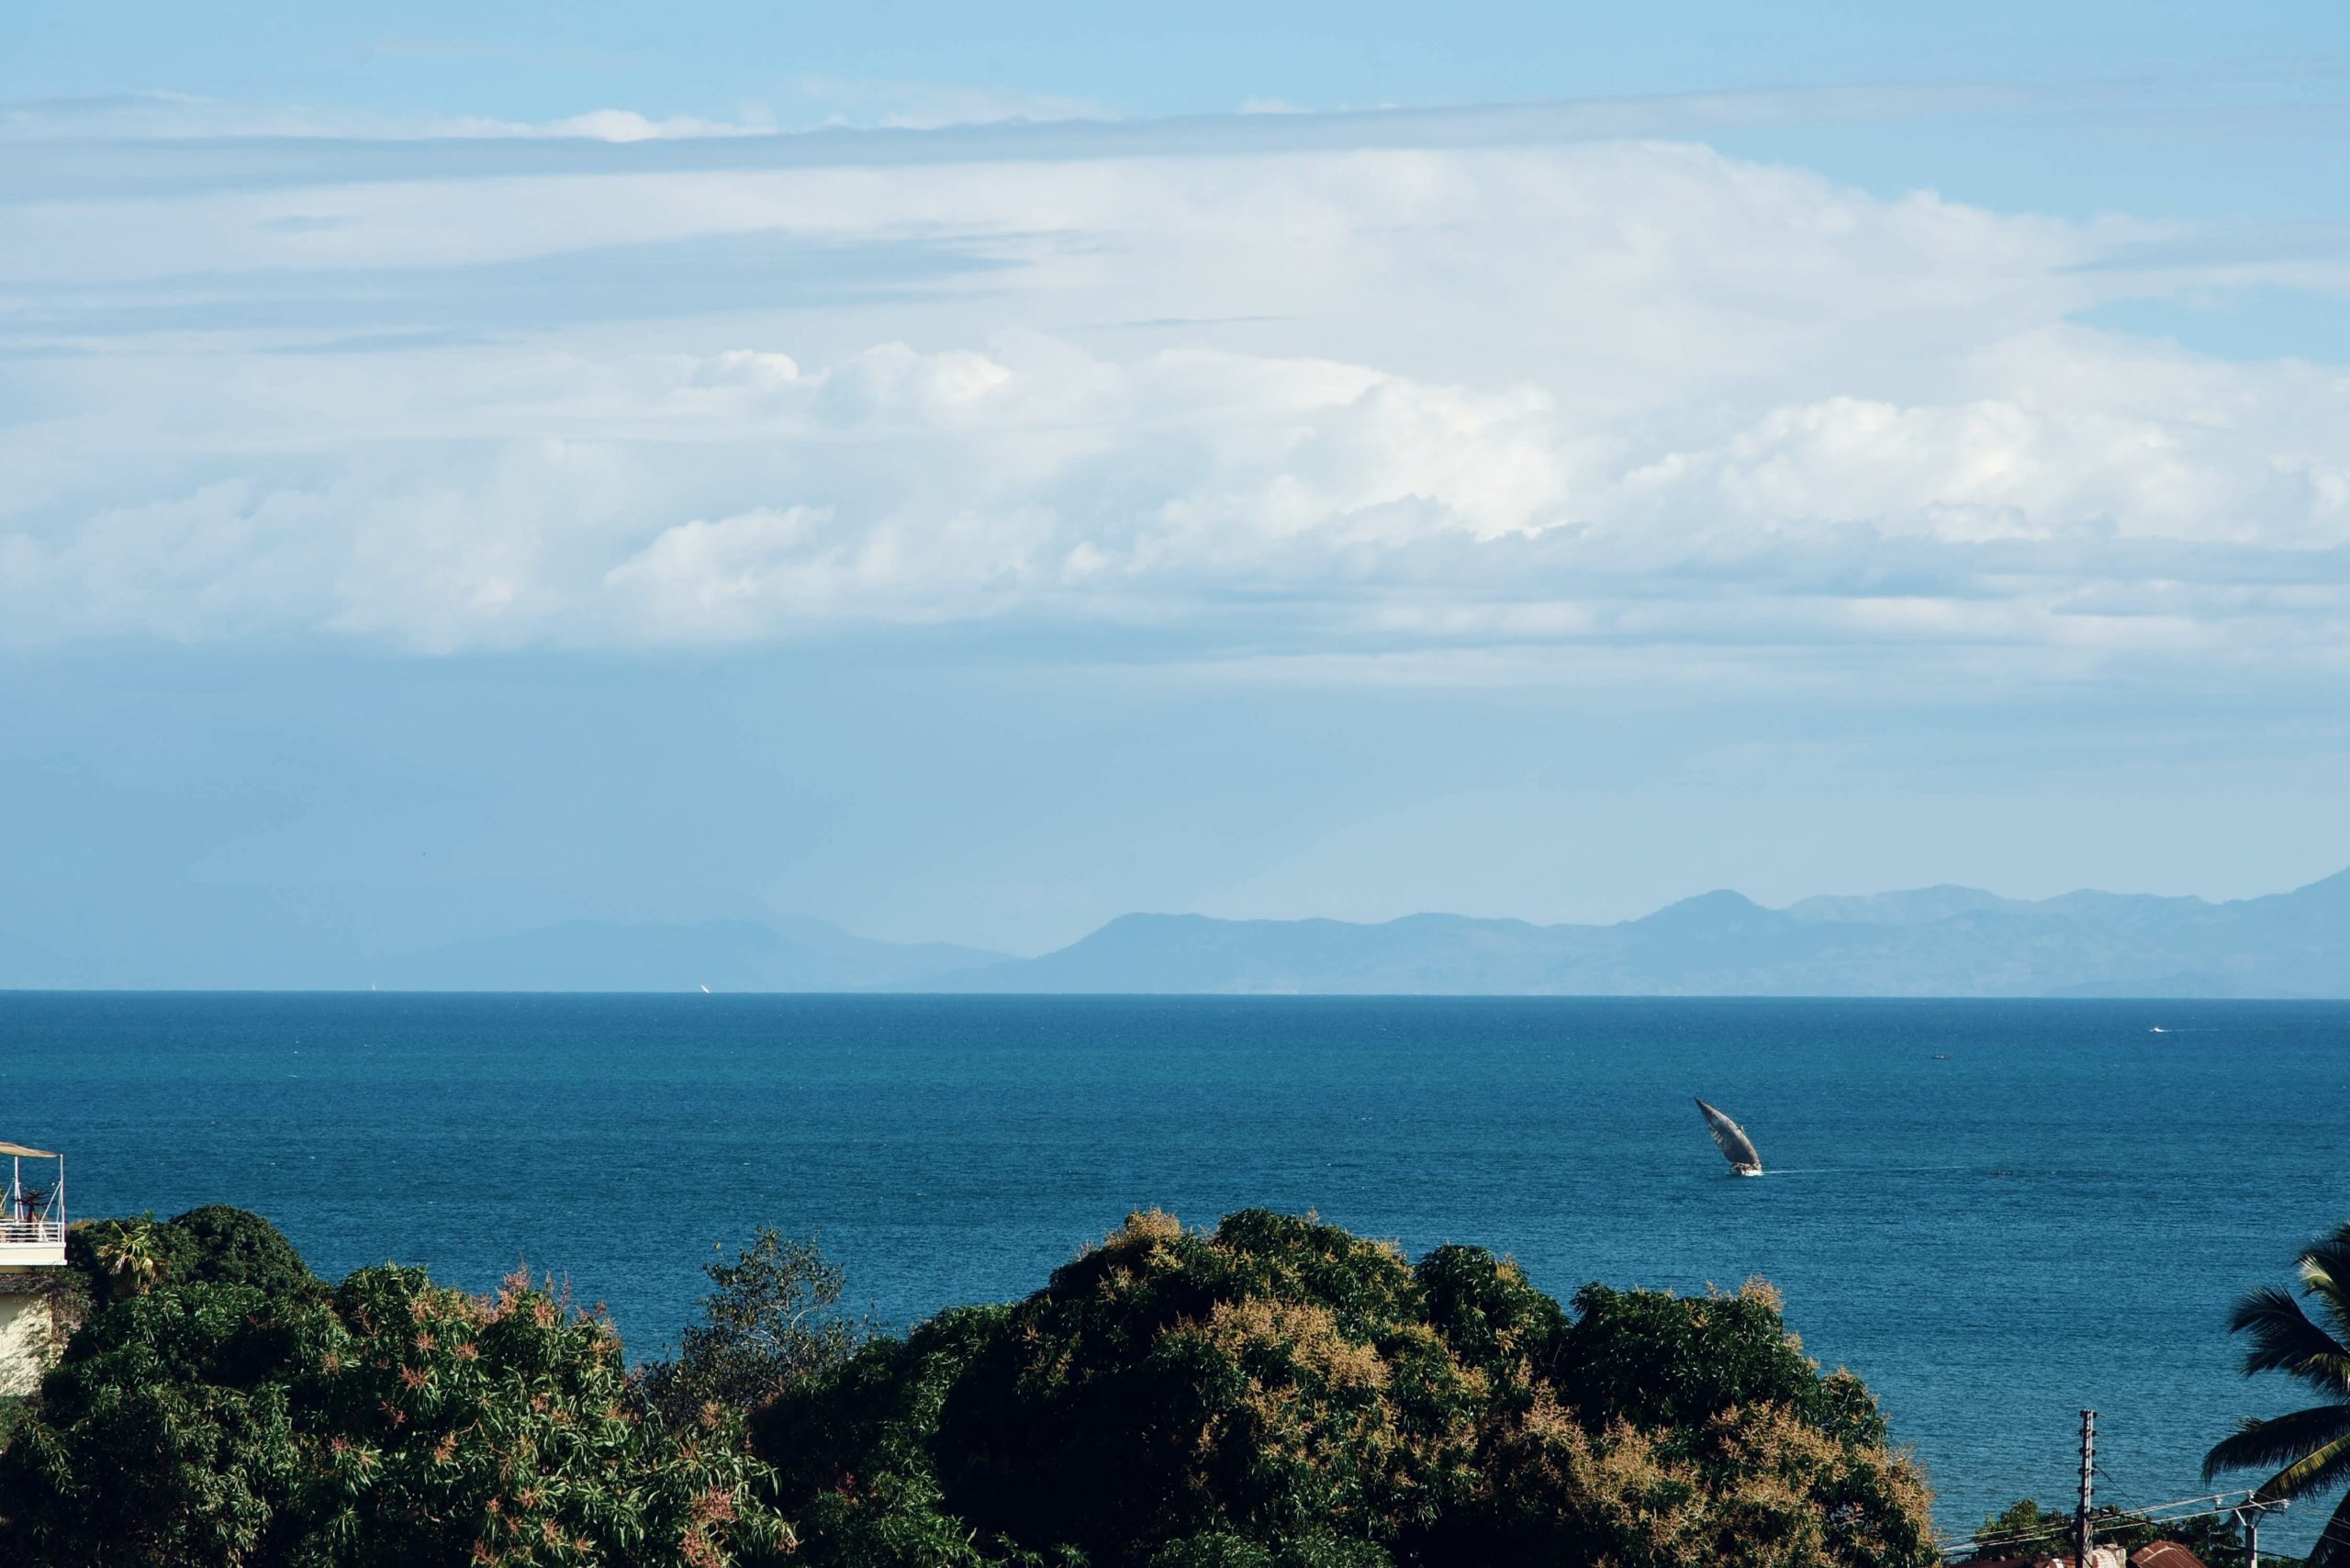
1732	1140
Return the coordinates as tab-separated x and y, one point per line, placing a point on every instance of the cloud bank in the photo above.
1550	409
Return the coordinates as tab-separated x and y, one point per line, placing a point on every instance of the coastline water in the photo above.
1996	1211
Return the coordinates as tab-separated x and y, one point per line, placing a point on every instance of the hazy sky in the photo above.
968	476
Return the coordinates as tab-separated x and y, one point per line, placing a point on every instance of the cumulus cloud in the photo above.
1577	405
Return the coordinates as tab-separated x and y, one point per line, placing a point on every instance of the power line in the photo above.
2158	1514
2209	1505
2209	1502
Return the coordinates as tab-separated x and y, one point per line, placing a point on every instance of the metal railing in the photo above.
30	1232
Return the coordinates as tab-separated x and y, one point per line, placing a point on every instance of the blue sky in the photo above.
546	61
970	478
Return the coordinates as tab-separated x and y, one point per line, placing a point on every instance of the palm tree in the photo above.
2310	1449
131	1256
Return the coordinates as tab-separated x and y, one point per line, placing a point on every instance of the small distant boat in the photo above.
2158	1029
1732	1140
1942	1056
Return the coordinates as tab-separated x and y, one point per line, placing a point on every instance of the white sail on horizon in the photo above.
1732	1140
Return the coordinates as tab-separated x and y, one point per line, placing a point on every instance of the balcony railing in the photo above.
31	1233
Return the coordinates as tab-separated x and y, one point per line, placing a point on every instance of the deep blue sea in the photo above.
1996	1213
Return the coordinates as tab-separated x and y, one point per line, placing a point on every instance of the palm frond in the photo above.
2284	1339
2325	1277
2320	1469
2333	1548
2283	1440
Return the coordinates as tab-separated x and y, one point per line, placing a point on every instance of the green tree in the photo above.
1279	1394
161	1438
2022	1528
127	1257
2308	1452
212	1245
1688	1430
218	1244
772	1318
2026	1528
214	1423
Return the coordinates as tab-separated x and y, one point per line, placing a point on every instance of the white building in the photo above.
32	1265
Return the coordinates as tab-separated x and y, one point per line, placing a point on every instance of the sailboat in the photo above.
1732	1140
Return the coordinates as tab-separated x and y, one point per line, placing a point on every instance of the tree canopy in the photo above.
1276	1393
772	1317
215	1244
1280	1393
210	1419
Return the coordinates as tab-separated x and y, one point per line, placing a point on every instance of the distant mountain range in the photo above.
783	954
1944	941
779	953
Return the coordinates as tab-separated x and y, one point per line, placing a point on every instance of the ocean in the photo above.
1996	1213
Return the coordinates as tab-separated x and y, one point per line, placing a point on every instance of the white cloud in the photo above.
922	106
180	116
807	102
1578	406
610	125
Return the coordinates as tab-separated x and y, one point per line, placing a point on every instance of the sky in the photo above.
968	476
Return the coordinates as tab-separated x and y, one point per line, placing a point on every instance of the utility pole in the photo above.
2248	1515
2088	1471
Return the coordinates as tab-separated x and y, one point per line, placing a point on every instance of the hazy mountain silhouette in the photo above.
1941	941
1944	941
784	954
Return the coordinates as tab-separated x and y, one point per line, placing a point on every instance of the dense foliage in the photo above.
212	1245
772	1317
220	1408
1279	1394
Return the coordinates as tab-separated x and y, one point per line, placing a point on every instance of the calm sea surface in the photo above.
1996	1213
